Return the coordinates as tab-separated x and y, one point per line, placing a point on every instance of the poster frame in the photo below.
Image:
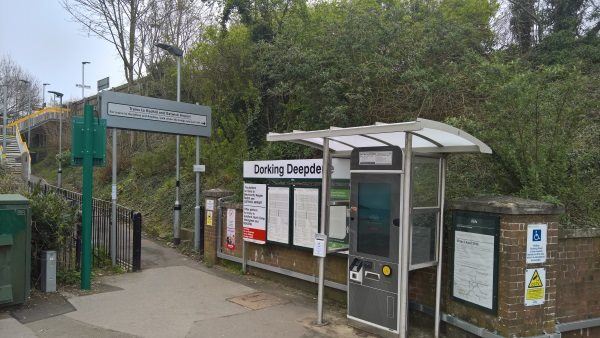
292	201
290	214
494	230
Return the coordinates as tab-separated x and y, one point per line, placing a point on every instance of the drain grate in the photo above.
257	300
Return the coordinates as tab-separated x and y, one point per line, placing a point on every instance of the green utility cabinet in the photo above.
15	249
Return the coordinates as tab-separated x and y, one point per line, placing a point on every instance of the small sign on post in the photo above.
320	247
103	84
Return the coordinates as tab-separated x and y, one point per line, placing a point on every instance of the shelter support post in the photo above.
177	207
438	276
113	215
198	231
324	229
405	239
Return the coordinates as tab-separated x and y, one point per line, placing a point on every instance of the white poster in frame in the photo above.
306	216
278	214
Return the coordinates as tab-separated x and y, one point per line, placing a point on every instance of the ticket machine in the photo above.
374	232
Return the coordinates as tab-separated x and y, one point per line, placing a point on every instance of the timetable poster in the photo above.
278	216
306	216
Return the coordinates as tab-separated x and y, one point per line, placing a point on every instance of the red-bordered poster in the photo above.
230	229
255	213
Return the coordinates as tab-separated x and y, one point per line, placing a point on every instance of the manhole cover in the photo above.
257	300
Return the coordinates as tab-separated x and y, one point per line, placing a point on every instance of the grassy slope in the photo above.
147	185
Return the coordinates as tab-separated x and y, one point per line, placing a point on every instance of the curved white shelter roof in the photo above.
431	137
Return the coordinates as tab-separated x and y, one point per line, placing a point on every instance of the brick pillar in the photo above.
211	198
516	318
513	318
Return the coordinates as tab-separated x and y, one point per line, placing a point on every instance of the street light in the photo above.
4	113
82	85
44	94
27	83
59	176
176	51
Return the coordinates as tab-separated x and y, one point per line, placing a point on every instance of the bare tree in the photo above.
115	21
17	95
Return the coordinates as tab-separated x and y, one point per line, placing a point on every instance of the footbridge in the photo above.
16	155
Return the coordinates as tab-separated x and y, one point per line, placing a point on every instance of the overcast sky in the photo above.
40	36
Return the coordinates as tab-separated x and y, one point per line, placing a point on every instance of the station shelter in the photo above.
395	215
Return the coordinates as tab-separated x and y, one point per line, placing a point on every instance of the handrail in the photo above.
24	150
38	113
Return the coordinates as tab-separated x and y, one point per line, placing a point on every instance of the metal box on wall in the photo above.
15	249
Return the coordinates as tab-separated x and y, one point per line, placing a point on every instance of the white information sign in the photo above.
135	112
278	221
537	238
301	169
474	268
255	208
320	246
162	115
375	158
306	216
535	286
210	205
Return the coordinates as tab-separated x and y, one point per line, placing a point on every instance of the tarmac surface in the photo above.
176	296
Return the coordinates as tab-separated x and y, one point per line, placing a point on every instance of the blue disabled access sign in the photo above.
537	239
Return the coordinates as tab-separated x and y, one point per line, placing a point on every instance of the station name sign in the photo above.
135	112
297	169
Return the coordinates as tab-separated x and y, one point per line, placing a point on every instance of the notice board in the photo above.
278	217
255	208
475	249
306	216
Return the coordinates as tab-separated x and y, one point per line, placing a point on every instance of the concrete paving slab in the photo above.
42	306
62	326
257	300
276	321
160	302
10	327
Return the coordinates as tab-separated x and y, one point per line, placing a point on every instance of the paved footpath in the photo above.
175	296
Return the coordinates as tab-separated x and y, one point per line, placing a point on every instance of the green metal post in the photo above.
88	174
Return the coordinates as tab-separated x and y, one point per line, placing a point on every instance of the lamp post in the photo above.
178	53
4	113
82	85
59	176
27	83
44	94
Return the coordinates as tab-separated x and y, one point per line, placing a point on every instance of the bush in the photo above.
53	221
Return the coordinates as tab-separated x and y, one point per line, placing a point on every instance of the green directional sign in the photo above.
98	129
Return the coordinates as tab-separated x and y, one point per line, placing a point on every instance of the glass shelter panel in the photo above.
424	235
425	220
426	177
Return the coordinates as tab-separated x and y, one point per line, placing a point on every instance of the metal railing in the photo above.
128	232
39	117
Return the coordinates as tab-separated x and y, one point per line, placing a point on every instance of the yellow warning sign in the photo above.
535	290
536	281
209	218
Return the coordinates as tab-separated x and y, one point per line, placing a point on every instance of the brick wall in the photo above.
578	278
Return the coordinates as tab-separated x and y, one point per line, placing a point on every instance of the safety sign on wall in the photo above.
255	213
535	286
209	218
536	243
